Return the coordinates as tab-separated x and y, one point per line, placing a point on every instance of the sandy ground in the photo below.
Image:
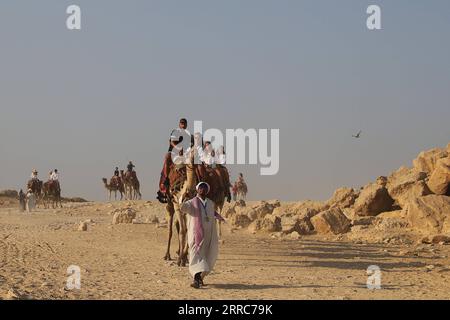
125	261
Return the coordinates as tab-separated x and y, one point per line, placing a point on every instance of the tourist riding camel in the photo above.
130	166
210	159
54	179
131	183
35	185
241	188
179	138
115	184
51	191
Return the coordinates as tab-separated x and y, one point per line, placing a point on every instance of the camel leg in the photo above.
219	223
170	212
181	217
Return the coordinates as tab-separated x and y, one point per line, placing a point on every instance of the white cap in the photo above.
200	183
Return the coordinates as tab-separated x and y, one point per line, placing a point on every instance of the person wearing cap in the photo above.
116	172
34	175
54	178
202	235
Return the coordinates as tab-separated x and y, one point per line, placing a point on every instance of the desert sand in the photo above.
124	261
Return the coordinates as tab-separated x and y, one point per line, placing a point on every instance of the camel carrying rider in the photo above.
179	138
116	180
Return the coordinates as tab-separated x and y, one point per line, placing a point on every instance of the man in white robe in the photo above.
31	201
202	234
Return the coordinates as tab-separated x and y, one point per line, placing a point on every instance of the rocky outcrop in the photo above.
9	193
426	160
331	221
373	200
240	220
439	182
299	224
405	184
342	198
124	215
268	224
429	214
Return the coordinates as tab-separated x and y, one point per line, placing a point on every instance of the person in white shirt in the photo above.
34	175
196	148
54	178
31	201
209	155
220	157
55	175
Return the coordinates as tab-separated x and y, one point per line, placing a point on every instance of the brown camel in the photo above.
114	186
182	183
51	192
241	190
131	185
36	187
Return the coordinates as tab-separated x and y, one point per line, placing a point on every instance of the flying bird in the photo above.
358	135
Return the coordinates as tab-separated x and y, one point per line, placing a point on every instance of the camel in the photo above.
114	186
182	181
241	190
36	188
51	191
131	185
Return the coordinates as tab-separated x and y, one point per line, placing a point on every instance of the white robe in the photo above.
31	202
205	259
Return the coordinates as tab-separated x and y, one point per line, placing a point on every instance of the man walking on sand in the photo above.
202	234
31	201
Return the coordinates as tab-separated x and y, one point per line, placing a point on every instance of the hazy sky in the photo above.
87	101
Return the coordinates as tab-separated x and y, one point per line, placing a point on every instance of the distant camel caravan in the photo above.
45	193
126	184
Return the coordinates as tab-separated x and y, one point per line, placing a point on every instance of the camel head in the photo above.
105	181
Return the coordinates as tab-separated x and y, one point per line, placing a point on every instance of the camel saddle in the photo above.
116	181
177	176
35	185
130	175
